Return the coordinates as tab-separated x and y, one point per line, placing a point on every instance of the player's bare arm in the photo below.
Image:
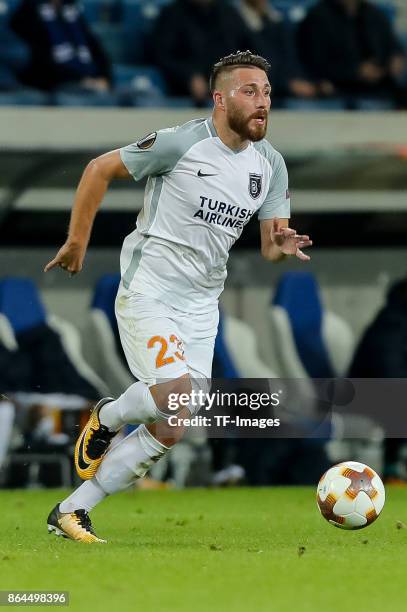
279	241
91	190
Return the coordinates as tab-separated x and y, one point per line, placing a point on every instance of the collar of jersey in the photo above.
214	134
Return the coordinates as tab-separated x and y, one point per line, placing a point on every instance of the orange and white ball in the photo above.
350	495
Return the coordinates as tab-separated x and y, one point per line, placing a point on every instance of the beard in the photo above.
242	124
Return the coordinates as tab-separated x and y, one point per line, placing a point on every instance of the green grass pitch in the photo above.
208	550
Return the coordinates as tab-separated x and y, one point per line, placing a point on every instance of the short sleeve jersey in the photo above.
199	196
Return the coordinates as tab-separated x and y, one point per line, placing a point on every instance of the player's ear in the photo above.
218	99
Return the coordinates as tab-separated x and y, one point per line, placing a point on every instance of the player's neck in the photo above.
228	136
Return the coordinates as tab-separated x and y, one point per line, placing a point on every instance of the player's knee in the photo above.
170	431
172	396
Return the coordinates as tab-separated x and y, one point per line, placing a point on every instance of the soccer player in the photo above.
206	179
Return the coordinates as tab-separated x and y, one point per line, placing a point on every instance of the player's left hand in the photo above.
289	242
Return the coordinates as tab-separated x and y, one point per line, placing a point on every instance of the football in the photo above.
350	495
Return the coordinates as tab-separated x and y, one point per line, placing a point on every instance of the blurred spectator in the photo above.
382	353
35	435
64	52
190	36
275	41
283	461
351	45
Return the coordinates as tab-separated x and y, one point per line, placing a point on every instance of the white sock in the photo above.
129	460
86	496
135	405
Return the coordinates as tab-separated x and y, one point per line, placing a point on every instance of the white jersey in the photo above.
199	196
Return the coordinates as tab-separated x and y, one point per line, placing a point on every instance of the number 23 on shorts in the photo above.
166	354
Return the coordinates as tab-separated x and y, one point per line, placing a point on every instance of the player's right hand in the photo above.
69	257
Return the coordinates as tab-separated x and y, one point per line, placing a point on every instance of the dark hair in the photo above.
240	59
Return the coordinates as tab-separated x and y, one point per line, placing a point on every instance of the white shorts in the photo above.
162	343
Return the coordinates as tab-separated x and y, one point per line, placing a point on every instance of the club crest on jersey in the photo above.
255	185
147	141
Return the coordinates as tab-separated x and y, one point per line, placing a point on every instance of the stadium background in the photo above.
348	182
238	548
